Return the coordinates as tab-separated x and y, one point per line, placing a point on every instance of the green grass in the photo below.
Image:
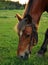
9	40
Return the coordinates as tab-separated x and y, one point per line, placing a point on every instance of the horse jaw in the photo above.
19	17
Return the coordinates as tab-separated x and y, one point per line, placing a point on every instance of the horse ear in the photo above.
19	17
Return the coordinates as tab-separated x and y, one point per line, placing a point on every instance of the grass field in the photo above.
9	40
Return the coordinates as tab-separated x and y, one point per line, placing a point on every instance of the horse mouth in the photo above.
25	56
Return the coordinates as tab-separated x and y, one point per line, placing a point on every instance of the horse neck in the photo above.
36	9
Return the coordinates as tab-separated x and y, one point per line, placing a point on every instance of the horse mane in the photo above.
26	15
27	8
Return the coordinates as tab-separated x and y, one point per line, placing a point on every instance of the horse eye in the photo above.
27	35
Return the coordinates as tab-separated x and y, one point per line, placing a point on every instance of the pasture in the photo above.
9	40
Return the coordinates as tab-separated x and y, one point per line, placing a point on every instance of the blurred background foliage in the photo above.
4	5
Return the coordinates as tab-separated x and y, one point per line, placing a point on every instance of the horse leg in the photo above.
43	48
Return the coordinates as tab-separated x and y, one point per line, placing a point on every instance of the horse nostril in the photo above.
26	54
30	52
21	56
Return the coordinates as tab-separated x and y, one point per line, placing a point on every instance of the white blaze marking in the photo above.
21	33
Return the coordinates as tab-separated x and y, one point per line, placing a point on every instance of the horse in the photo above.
28	26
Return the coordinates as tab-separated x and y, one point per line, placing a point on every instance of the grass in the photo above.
9	40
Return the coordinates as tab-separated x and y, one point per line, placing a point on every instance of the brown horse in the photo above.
28	26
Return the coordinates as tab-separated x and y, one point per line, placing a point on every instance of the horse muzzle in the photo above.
24	56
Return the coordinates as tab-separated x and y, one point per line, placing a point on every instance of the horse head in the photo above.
28	36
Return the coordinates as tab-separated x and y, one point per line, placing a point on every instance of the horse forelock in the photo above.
26	20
